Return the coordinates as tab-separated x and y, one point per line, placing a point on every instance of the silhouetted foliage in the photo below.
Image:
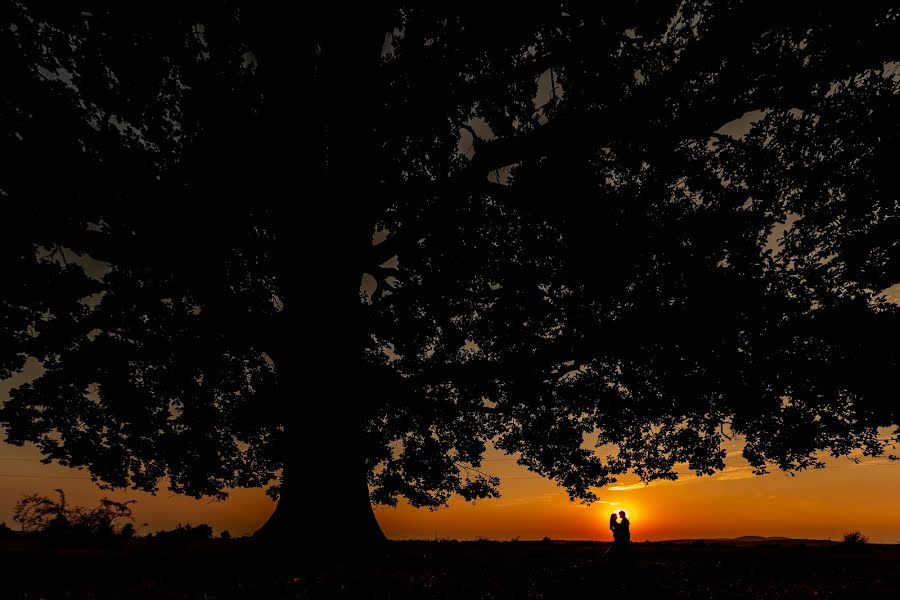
185	533
855	538
57	518
645	226
127	531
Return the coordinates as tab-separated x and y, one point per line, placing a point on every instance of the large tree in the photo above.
352	250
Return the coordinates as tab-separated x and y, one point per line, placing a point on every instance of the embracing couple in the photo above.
621	530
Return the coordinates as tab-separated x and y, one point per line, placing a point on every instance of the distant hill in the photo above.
755	539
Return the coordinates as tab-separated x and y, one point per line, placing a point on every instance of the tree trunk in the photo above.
324	498
321	109
323	391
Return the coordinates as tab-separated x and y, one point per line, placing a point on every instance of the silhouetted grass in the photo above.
226	569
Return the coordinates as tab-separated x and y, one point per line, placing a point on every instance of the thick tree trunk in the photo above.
323	392
323	389
321	108
324	498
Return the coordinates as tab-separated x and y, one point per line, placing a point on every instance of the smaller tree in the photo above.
855	538
55	517
37	513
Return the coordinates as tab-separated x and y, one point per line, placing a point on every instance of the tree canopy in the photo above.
639	226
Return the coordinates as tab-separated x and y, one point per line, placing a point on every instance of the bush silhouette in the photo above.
185	533
855	538
128	531
56	518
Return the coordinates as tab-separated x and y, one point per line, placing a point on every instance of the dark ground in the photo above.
450	570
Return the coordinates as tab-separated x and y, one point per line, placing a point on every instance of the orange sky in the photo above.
817	504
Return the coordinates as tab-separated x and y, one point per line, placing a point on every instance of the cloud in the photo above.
526	500
732	473
728	474
520	501
628	487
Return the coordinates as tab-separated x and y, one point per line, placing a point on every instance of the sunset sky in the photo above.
819	504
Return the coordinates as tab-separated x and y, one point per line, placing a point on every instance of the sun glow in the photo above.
609	509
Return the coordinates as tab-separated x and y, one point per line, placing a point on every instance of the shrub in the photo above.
128	531
185	533
54	518
855	538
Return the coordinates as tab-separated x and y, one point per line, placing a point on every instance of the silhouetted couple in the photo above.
621	530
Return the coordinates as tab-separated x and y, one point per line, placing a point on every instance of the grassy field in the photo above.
451	570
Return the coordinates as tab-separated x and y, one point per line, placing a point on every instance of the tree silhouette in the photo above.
57	518
646	227
855	538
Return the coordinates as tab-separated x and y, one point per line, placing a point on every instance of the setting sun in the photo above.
617	508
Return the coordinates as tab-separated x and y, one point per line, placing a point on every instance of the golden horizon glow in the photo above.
730	504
